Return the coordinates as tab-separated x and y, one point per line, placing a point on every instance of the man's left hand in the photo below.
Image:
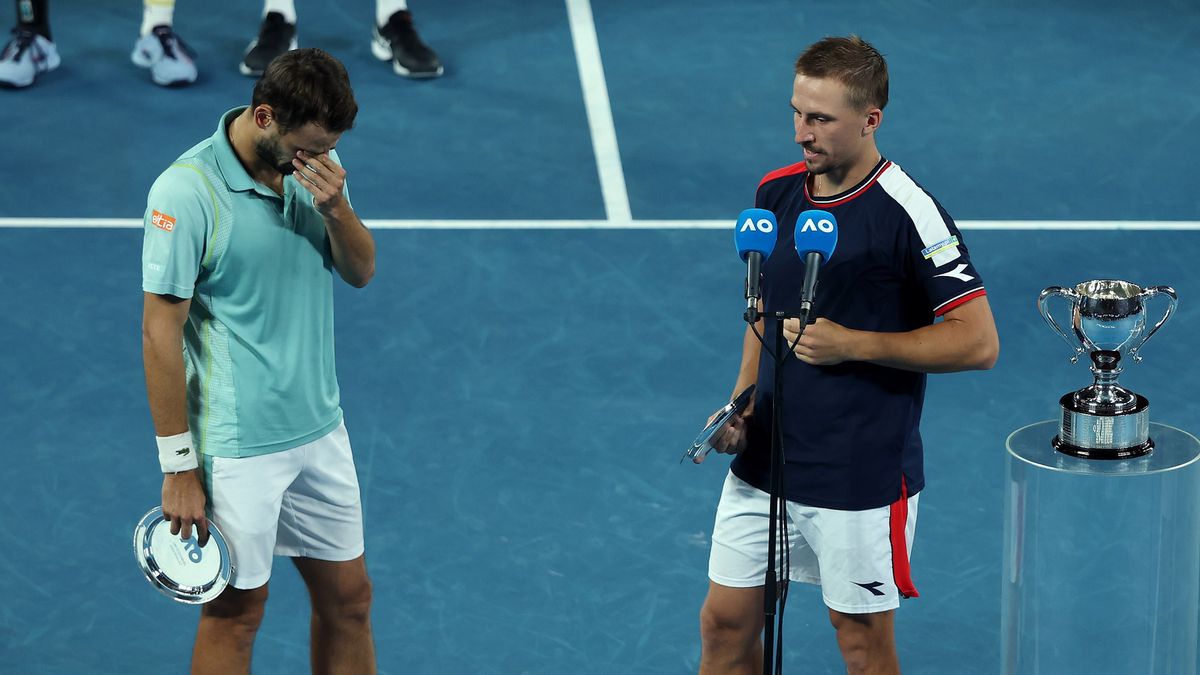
824	342
321	176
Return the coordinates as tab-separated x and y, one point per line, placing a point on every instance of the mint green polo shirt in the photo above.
258	341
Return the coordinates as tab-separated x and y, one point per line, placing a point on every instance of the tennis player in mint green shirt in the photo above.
242	236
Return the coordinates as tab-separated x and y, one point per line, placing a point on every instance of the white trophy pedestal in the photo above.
1101	558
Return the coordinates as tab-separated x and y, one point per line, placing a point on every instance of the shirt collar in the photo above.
227	161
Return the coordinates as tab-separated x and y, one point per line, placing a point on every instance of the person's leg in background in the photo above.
276	35
31	51
160	49
395	39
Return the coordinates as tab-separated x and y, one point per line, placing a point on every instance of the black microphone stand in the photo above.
773	653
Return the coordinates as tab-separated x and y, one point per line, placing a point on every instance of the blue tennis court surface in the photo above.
518	398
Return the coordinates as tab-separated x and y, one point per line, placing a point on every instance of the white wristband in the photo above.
177	453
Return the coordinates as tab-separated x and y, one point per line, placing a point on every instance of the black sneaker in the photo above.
397	41
275	36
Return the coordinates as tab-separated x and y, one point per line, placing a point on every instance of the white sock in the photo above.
384	9
285	7
156	13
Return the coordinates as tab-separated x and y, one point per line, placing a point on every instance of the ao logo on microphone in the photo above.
761	225
825	225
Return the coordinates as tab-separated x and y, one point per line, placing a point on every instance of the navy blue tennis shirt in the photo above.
851	431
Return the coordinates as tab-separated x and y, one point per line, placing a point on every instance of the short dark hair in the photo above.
853	62
307	85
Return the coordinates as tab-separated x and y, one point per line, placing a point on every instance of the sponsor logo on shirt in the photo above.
162	221
932	250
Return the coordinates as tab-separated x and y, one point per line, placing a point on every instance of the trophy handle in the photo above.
1043	307
1172	301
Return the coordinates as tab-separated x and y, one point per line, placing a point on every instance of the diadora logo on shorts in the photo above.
825	225
873	587
162	221
760	225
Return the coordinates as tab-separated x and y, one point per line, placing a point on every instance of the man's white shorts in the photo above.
859	558
302	502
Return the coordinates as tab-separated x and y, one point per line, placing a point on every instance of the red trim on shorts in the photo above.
900	569
791	170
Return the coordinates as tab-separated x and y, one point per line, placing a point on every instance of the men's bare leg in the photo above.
867	642
341	619
226	633
731	625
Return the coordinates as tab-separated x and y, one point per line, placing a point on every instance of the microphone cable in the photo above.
791	348
783	550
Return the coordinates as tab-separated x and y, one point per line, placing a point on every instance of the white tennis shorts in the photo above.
859	558
302	502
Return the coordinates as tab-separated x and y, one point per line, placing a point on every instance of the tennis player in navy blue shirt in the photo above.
898	299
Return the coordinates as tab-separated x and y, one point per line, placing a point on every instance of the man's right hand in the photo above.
183	504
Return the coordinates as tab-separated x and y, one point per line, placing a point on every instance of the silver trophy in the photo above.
1108	321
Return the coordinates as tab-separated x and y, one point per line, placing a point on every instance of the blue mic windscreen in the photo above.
816	231
755	230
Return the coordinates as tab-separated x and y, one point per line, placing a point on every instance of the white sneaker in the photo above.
25	56
168	58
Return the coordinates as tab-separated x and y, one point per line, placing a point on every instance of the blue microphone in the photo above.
816	238
754	236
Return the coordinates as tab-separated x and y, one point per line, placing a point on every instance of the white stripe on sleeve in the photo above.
924	213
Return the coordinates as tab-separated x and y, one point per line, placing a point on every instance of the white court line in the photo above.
1011	225
599	111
